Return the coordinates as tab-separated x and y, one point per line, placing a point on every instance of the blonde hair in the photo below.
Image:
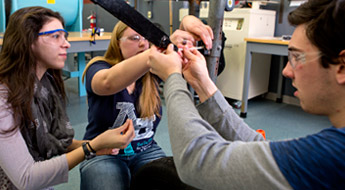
149	100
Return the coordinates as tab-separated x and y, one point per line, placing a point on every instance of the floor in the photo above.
280	121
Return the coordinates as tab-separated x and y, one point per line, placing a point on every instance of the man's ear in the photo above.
340	76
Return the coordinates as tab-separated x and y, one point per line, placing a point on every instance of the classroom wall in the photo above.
159	9
160	14
282	28
104	19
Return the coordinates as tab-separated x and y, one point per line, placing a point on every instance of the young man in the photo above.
214	149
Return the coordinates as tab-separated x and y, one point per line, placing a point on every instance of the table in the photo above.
273	46
80	43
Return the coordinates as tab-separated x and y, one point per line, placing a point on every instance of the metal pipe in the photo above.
215	21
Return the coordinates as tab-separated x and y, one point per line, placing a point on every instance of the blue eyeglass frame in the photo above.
53	31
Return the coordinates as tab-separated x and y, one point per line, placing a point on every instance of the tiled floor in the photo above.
280	121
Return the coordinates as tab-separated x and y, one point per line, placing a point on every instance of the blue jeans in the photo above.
114	171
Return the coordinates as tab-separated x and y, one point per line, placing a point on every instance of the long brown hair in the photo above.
18	62
149	100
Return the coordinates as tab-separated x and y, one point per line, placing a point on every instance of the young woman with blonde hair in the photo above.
120	86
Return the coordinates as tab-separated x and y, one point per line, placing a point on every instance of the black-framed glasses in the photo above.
58	36
297	57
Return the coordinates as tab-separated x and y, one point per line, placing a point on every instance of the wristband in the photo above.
92	150
88	155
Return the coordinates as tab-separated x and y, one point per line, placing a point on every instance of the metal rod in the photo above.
215	21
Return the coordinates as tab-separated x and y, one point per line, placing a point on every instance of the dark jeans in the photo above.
114	171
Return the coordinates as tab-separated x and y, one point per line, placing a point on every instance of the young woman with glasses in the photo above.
37	148
120	86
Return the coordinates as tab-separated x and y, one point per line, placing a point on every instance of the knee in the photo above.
103	167
104	174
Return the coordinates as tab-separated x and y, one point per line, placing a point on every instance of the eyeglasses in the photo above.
134	38
296	57
58	36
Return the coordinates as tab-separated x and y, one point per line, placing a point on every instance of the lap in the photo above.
153	153
115	171
104	172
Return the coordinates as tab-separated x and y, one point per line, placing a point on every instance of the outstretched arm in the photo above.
207	156
112	80
204	158
224	119
113	138
129	70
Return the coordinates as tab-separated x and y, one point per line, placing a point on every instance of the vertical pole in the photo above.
81	68
215	21
171	16
246	79
279	98
191	10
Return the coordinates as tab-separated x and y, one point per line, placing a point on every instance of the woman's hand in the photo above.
181	38
163	65
196	29
107	151
114	138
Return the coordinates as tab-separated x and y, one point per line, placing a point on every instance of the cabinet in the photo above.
238	24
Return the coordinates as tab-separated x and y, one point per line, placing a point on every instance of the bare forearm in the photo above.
205	89
75	144
75	157
124	73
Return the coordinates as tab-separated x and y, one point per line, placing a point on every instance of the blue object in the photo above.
52	31
70	10
229	5
2	16
313	162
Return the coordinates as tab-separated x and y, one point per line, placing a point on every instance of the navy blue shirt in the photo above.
112	111
313	162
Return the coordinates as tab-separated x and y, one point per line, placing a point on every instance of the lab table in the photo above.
80	43
273	46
